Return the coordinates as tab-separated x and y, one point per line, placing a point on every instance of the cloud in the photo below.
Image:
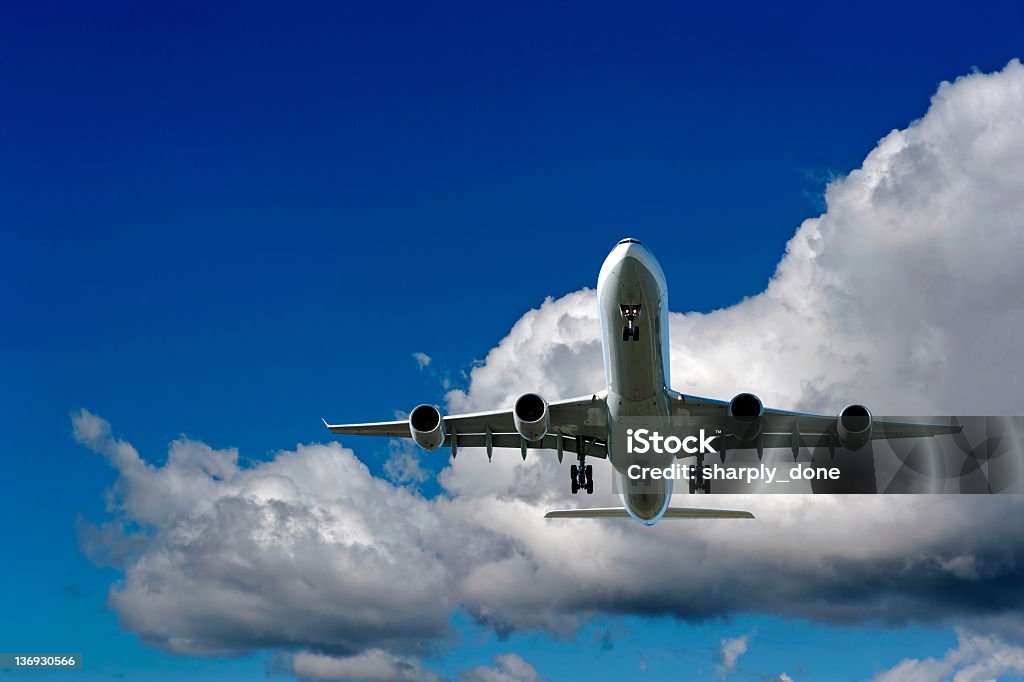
977	658
403	463
306	550
370	666
730	651
422	359
507	668
108	544
785	678
903	295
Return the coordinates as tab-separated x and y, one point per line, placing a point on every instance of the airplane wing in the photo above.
576	417
781	428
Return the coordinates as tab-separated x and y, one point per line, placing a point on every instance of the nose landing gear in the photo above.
631	314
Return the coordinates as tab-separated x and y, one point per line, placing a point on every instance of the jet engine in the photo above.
531	417
427	427
745	412
854	426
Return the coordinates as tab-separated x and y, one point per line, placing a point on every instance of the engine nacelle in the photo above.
854	426
427	427
531	417
746	412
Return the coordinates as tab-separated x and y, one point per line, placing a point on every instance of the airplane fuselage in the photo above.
633	308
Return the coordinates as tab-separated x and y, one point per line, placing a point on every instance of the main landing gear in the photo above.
582	473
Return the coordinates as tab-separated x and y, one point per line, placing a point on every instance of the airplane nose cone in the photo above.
630	254
630	247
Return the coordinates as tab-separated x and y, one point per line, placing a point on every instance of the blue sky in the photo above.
227	222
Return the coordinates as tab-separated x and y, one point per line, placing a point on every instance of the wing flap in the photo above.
514	441
883	429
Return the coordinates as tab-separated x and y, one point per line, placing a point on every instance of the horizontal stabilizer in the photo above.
694	513
670	513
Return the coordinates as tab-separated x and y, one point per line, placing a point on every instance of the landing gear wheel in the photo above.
636	333
698	477
582	473
625	334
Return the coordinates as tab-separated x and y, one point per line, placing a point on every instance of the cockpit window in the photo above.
629	240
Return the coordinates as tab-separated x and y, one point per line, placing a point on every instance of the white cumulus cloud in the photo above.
370	666
976	658
730	651
506	668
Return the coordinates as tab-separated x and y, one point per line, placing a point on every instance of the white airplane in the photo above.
633	300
